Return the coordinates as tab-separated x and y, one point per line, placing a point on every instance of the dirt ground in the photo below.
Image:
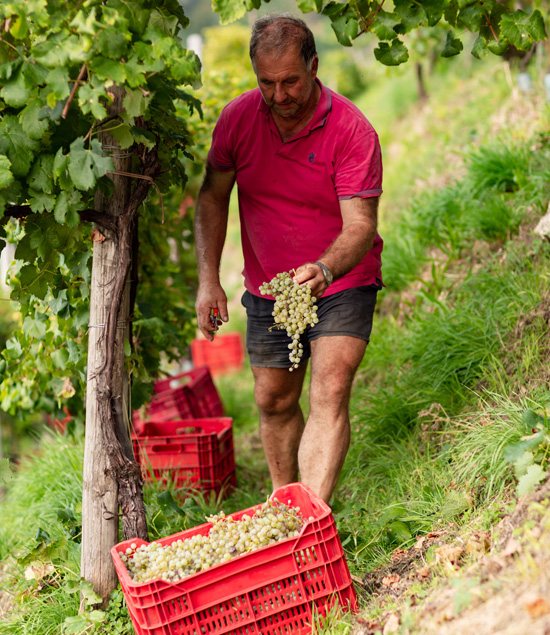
468	583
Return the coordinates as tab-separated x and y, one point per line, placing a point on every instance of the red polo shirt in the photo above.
289	192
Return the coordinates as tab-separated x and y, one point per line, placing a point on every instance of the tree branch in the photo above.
99	218
80	77
86	215
367	27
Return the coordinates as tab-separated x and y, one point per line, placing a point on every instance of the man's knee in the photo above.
271	402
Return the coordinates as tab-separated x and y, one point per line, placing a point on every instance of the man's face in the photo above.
286	86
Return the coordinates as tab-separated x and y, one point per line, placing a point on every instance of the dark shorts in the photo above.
348	312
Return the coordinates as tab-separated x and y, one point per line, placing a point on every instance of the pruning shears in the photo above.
215	320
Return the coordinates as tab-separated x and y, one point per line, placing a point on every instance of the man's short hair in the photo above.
275	32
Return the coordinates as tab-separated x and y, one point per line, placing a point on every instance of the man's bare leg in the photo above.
277	394
326	437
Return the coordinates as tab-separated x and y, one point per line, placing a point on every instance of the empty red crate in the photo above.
200	391
224	354
190	453
185	396
270	591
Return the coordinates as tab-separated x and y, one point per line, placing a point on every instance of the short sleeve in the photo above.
358	172
220	156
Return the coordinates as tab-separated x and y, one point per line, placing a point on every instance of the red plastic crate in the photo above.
199	390
190	453
224	354
185	396
270	591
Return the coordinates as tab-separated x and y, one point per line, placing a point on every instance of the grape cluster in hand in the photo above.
227	538
294	310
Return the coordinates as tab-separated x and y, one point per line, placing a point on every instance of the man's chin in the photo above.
284	112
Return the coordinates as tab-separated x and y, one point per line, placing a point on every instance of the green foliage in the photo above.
497	26
529	456
59	64
502	167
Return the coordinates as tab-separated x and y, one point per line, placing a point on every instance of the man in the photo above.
308	170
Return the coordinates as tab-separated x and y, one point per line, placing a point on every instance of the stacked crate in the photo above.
184	439
224	354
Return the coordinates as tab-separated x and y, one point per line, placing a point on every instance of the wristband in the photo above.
327	273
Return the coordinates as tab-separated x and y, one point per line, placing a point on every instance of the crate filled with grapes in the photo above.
265	570
188	453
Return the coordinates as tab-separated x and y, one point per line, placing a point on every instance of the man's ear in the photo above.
314	67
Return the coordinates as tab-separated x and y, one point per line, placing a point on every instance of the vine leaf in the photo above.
392	55
480	49
16	92
6	177
522	30
453	46
86	166
16	145
229	10
384	25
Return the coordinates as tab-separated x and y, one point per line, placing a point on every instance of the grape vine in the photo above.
497	24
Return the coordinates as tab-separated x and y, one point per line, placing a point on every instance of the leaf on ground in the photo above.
529	481
537	607
391	580
392	625
455	503
512	547
447	554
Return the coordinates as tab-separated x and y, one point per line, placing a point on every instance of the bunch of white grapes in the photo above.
294	310
227	538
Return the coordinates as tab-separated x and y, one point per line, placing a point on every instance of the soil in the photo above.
472	582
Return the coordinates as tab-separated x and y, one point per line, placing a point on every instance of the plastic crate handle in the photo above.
189	430
168	448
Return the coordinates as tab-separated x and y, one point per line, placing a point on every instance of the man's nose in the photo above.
279	95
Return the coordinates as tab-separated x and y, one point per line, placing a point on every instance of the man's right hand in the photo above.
209	297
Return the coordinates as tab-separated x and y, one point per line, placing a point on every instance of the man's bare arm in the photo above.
359	226
211	214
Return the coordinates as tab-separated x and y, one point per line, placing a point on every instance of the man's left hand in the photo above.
312	274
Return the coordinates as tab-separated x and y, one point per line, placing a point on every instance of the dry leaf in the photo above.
38	570
391	580
392	625
397	554
434	534
537	607
512	547
97	236
419	542
448	554
423	572
478	543
493	564
67	391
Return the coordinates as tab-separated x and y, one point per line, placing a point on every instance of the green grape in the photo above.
294	310
228	538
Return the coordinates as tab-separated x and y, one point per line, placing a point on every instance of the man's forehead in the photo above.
271	60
